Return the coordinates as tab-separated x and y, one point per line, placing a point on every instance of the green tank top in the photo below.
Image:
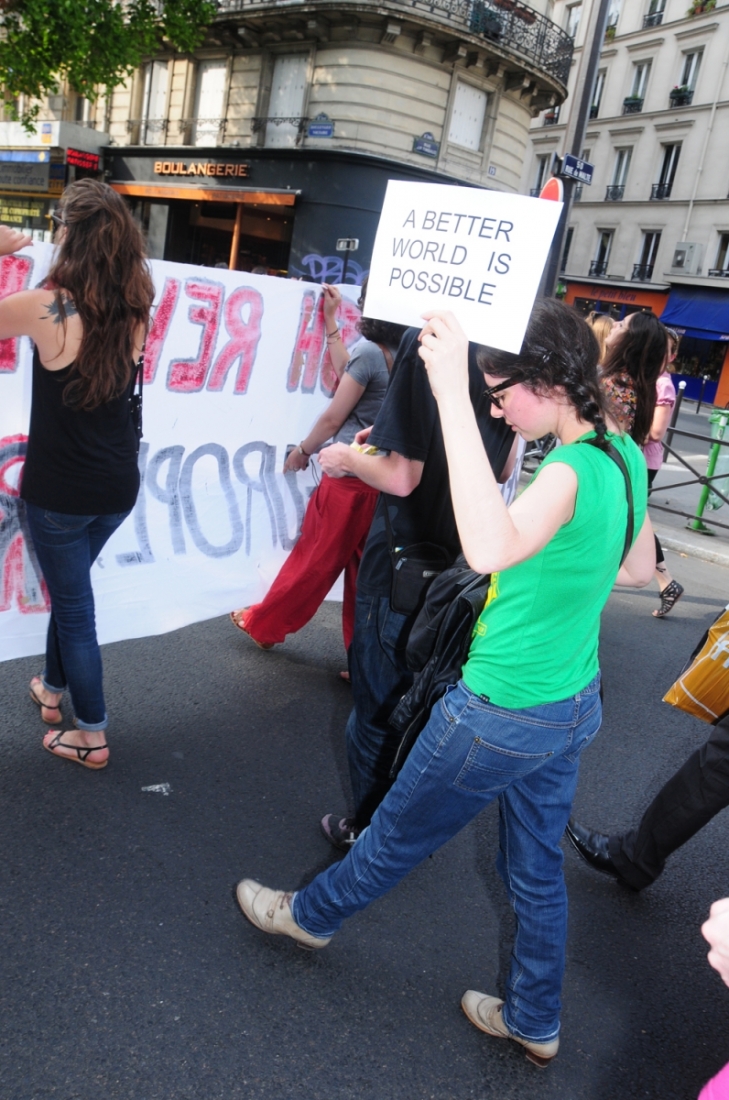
536	639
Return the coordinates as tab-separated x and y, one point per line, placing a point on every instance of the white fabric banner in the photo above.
236	369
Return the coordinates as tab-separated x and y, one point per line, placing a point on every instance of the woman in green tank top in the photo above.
514	727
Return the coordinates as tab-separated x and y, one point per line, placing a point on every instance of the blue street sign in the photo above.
577	169
426	145
321	127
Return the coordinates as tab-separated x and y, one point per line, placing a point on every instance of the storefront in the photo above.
35	168
280	209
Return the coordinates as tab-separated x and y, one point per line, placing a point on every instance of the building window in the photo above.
613	13
690	69
602	255
597	93
574	11
662	189
83	110
566	250
641	71
286	102
542	174
209	102
643	270
467	117
154	104
722	257
654	16
616	189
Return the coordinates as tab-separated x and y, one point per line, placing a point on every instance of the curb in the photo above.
668	542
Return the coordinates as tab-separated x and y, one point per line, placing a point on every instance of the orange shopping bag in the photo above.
703	688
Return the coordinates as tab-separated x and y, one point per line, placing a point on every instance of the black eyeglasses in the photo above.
492	391
58	219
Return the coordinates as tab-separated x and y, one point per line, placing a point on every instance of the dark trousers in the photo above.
380	677
684	805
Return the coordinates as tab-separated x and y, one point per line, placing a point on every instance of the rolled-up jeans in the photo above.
66	547
470	753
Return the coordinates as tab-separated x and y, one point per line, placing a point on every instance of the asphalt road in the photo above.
128	972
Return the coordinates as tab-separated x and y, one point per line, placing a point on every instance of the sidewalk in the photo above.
671	529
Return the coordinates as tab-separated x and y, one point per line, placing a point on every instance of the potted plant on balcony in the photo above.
680	95
525	14
507	5
698	7
610	32
632	104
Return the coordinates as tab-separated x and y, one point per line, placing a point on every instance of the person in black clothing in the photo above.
412	475
687	802
80	479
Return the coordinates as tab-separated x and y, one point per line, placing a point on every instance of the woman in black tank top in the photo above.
80	479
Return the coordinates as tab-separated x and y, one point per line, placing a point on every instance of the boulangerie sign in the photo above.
477	253
236	369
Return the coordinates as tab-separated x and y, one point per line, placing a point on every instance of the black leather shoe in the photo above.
593	847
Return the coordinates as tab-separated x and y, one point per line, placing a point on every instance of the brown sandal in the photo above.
238	618
44	706
82	751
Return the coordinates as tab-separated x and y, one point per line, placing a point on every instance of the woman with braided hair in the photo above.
514	726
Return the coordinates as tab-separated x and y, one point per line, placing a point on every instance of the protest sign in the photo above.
477	253
236	369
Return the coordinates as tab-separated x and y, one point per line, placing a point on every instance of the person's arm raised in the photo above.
493	537
348	394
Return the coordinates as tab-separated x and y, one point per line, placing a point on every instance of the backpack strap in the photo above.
612	452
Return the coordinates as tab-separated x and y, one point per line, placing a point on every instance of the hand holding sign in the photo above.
444	350
478	253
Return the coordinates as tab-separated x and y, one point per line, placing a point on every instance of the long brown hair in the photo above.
101	267
640	353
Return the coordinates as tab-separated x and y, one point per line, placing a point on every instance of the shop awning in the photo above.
698	311
270	197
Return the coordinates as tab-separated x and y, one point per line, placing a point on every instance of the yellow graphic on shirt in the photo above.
491	595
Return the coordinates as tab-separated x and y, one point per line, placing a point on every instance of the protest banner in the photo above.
236	369
477	253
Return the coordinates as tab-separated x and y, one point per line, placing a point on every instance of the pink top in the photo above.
665	395
718	1087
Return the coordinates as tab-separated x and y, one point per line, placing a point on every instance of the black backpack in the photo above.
437	648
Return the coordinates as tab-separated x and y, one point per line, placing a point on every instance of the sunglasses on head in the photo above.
58	219
492	392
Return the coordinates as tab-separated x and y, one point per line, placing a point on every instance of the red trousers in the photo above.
332	539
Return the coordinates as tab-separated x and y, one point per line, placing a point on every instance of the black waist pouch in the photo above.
414	568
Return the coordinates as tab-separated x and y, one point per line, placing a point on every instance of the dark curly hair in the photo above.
379	332
559	350
640	353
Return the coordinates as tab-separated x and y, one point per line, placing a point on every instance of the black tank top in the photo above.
83	463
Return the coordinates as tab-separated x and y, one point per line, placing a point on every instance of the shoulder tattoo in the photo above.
53	313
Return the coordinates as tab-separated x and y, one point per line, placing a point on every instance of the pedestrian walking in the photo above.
80	479
340	510
514	726
632	377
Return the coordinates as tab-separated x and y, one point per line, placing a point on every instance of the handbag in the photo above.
135	400
441	635
414	568
702	689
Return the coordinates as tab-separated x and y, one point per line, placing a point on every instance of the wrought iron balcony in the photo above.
661	191
551	118
632	105
719	272
598	268
520	32
614	192
681	97
594	109
147	131
642	273
297	121
653	20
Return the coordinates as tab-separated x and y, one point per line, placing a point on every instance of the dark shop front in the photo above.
280	210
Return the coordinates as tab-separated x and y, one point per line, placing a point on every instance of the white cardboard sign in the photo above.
477	253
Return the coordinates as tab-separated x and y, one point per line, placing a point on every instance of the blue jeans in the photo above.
380	678
469	753
66	547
